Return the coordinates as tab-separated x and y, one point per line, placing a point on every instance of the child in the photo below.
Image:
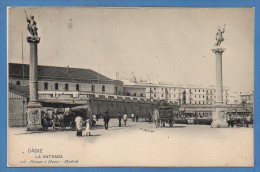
88	127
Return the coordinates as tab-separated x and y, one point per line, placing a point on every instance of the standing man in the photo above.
156	117
125	118
133	117
119	119
54	119
229	120
136	118
149	118
248	120
97	116
106	120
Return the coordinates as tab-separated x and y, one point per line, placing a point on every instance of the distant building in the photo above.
236	97
247	97
134	90
194	95
193	100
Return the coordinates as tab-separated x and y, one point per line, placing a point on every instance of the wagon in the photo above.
165	114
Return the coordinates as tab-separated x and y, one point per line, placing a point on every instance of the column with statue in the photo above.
33	107
218	112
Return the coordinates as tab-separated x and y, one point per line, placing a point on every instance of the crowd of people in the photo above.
244	120
86	125
53	118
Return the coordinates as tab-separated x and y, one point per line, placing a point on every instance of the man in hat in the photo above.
106	120
119	119
54	118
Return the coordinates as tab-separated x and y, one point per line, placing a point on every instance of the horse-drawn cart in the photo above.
165	114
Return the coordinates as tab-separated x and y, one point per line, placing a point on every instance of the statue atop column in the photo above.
33	106
219	35
219	110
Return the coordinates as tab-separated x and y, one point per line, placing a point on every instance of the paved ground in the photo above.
138	144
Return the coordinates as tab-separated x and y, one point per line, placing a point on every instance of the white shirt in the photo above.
79	122
87	127
156	114
125	117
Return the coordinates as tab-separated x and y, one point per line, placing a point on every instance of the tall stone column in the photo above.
33	107
218	113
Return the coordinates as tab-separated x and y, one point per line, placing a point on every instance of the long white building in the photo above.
190	94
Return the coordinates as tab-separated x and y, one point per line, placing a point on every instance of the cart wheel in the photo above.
72	126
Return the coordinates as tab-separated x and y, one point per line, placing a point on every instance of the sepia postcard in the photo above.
130	87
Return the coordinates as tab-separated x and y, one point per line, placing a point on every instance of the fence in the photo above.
17	110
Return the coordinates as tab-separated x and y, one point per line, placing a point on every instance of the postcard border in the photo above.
118	3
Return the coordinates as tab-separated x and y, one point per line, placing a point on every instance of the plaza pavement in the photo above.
138	144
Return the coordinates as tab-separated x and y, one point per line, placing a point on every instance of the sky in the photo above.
172	45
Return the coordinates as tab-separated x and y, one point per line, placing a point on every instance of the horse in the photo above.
60	119
54	119
66	119
45	120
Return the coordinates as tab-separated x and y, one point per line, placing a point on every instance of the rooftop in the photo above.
60	73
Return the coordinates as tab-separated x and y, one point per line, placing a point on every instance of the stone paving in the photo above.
138	144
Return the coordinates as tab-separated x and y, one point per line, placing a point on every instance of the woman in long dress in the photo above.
79	123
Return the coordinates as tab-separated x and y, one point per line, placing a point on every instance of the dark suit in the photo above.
119	119
106	120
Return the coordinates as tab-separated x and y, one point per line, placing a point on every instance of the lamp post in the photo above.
243	103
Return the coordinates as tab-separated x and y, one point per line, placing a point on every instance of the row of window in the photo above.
190	90
204	96
201	102
194	96
128	94
66	87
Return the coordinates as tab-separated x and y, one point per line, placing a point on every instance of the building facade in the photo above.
65	79
247	97
193	95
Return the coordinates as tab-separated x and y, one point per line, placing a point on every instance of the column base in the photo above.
219	118
34	116
34	127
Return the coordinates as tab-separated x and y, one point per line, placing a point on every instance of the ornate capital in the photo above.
33	39
218	50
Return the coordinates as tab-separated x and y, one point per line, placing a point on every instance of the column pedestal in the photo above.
34	116
219	111
219	119
33	107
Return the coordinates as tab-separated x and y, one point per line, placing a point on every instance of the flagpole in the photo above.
98	74
23	82
22	60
